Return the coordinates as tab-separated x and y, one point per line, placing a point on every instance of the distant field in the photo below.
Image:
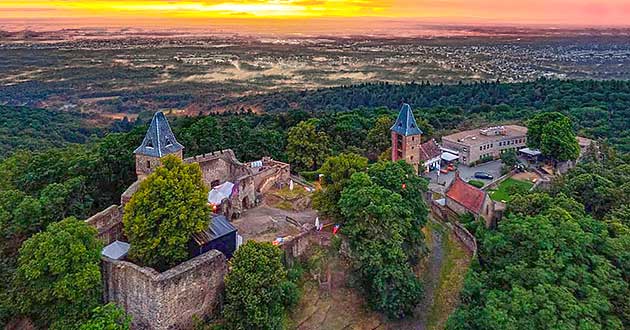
130	76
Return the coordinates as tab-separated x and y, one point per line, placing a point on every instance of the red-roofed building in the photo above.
430	155
463	198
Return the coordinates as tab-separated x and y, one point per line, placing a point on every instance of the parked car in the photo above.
483	175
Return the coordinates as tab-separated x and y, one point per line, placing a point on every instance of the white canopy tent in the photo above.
220	192
449	157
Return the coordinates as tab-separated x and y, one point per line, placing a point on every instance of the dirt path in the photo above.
442	274
431	278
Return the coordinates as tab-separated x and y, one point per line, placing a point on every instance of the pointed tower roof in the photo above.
159	140
406	123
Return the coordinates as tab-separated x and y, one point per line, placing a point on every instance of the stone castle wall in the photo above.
464	236
168	300
108	223
146	164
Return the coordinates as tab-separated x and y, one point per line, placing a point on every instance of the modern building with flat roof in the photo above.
478	144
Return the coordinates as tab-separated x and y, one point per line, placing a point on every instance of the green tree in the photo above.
536	126
257	292
107	317
553	268
307	149
597	193
203	136
553	134
58	276
169	206
377	225
337	171
400	177
509	158
379	136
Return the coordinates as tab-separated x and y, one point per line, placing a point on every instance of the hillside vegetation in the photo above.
599	109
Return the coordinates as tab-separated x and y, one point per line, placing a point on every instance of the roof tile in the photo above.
406	123
159	140
468	196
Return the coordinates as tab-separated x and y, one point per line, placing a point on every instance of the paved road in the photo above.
465	172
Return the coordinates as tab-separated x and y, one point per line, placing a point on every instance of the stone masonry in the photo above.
168	300
171	299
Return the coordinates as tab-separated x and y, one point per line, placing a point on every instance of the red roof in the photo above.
429	150
468	196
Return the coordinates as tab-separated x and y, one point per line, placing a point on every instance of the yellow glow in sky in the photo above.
581	12
208	8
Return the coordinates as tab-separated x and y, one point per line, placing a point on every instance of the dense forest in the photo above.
39	129
558	260
600	109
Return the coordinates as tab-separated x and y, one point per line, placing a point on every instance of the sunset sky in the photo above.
560	12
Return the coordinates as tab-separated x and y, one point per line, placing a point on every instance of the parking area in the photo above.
466	172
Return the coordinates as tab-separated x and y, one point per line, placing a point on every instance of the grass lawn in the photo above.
287	194
510	187
455	265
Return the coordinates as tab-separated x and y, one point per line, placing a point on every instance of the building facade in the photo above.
430	155
477	145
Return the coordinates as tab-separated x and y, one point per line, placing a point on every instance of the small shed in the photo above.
220	235
531	154
116	250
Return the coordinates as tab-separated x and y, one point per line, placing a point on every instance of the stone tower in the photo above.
159	142
406	138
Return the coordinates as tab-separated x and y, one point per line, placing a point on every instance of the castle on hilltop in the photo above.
172	299
220	169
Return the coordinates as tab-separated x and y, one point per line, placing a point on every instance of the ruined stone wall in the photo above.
108	223
297	245
220	166
487	212
168	300
267	178
215	170
455	206
464	236
126	196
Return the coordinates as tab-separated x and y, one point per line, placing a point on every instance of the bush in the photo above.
476	183
108	317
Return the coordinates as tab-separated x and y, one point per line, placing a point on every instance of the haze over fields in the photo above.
114	71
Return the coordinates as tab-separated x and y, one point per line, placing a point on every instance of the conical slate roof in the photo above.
406	123
159	140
